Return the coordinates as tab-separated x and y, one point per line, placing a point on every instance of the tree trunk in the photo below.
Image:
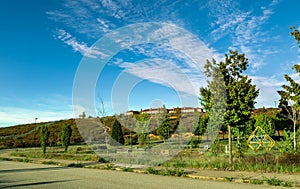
229	145
295	143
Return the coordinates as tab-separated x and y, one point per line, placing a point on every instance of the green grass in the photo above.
166	172
86	154
256	181
50	163
262	161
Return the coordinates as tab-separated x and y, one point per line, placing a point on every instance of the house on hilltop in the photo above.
132	112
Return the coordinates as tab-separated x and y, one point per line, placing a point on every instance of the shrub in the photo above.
256	181
50	163
127	169
78	165
151	170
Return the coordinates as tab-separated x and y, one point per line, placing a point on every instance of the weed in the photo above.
108	166
273	181
24	160
230	179
102	160
286	184
127	169
77	165
50	163
6	159
151	170
256	181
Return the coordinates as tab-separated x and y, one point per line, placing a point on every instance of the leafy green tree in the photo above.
116	132
295	33
213	99
142	128
266	123
66	136
290	95
44	137
163	130
287	142
241	93
201	126
290	101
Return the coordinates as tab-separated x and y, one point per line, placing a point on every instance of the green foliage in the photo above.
44	137
142	128
273	181
286	142
241	93
266	123
229	179
295	33
199	124
216	147
166	172
76	165
163	130
127	169
117	133
66	136
229	85
290	95
256	181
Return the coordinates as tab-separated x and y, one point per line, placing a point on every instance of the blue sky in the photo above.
43	43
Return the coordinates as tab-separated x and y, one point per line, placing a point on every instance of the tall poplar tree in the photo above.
116	132
44	137
66	136
240	93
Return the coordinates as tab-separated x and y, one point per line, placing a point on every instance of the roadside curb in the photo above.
235	180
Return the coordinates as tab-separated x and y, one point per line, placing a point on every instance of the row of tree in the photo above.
65	137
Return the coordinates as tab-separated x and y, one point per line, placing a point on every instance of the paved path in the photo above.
27	175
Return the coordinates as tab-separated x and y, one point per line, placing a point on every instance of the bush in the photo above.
256	181
78	165
166	172
273	181
151	170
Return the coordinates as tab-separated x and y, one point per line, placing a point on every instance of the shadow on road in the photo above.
35	183
32	169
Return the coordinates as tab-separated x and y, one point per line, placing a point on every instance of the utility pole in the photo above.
35	129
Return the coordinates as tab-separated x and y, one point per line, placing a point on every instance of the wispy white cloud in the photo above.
77	46
244	28
167	73
178	58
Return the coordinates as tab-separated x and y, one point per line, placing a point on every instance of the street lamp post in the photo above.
35	131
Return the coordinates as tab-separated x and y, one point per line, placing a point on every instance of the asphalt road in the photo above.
27	175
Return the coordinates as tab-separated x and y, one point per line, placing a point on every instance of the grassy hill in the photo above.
28	135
